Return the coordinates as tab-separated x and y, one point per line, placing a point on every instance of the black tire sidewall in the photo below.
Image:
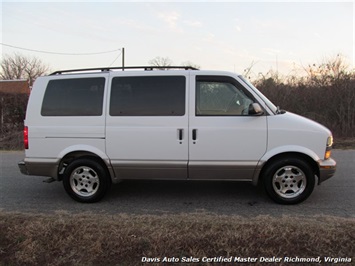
102	175
275	166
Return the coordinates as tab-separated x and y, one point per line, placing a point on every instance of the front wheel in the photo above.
289	180
86	180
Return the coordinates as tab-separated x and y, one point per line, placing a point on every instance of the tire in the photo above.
289	180
86	180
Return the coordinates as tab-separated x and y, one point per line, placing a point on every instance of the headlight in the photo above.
328	150
330	141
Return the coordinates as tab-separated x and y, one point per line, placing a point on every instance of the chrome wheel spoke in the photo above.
299	177
289	181
279	178
84	181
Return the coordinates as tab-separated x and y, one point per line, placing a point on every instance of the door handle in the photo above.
180	133
194	134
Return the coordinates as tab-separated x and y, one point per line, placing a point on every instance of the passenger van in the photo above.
93	127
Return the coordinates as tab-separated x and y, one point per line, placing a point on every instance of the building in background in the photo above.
20	86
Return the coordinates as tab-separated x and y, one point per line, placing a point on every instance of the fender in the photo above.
90	149
86	148
279	150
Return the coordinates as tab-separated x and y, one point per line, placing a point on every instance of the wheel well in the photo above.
301	156
67	159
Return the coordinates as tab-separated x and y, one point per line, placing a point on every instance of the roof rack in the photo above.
104	69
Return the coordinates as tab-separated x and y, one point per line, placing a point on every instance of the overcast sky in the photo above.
228	36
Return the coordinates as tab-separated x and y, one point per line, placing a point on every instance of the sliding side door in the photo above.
147	125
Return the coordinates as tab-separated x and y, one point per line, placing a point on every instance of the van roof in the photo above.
105	69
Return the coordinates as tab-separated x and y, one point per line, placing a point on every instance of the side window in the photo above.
74	97
148	96
221	96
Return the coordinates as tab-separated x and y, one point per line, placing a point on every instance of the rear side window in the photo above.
148	96
74	97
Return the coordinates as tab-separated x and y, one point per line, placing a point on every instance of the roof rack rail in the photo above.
103	69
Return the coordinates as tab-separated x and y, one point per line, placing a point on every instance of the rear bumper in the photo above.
23	169
39	167
327	169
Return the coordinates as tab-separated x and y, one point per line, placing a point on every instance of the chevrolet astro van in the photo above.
93	127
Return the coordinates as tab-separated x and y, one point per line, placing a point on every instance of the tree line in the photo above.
326	94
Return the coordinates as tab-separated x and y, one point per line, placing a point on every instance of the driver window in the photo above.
220	98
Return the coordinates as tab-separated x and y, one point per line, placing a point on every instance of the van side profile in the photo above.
93	127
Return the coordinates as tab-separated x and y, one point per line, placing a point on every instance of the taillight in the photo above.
25	137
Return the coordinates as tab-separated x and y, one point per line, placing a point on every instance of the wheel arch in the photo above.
73	153
294	154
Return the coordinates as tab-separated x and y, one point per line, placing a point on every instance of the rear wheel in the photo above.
86	180
289	180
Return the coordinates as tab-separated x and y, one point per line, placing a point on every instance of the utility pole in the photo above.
122	58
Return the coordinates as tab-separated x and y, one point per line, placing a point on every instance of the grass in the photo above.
344	143
64	239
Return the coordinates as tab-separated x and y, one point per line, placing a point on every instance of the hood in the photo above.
299	122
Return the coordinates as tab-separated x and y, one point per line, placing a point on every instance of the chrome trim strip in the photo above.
229	164
222	170
149	163
194	170
142	169
72	137
167	170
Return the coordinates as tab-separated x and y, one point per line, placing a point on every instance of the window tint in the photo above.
74	97
148	96
221	96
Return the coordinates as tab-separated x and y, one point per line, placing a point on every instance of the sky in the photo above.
280	36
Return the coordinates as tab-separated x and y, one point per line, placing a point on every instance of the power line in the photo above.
48	52
116	58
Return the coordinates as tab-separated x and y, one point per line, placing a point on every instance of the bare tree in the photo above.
328	71
18	66
160	61
248	71
190	64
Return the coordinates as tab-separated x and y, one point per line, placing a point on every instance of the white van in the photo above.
93	127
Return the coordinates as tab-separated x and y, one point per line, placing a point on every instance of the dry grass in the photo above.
344	143
64	239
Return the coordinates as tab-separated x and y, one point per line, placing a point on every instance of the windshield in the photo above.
262	96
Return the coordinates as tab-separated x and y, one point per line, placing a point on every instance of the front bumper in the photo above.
326	169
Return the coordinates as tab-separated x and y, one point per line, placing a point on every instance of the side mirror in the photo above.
255	109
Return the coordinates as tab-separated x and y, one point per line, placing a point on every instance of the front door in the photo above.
225	141
147	126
